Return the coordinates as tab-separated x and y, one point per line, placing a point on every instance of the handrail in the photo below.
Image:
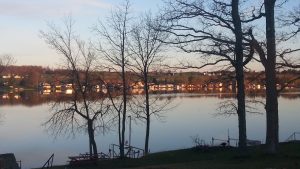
88	155
131	151
49	162
293	137
229	140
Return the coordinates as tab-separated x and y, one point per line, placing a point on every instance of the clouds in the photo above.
49	8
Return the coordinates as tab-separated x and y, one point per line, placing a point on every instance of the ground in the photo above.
209	158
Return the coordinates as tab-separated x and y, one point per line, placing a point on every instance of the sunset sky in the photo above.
21	21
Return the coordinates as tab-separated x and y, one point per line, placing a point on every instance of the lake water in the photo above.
22	133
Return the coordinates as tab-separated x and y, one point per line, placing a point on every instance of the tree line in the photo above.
32	77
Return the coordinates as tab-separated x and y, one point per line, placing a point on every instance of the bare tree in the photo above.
287	56
114	47
5	60
215	29
269	54
145	48
292	21
81	111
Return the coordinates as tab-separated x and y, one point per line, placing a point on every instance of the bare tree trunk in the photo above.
93	145
241	108
272	140
233	85
239	68
90	145
147	113
122	143
119	129
147	135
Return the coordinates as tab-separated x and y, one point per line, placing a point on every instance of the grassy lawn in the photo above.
209	158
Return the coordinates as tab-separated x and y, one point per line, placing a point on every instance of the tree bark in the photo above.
122	143
146	150
93	145
239	69
241	108
272	140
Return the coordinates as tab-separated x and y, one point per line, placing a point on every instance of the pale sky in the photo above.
21	21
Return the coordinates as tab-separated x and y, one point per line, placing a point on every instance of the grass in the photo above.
209	158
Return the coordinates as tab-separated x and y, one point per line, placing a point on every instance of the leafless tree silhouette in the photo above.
145	49
114	47
81	111
272	58
216	30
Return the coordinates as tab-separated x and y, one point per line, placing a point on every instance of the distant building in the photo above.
6	76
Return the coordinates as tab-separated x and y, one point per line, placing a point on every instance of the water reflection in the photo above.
35	98
21	131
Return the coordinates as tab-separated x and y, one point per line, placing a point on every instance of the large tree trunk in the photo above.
272	140
241	108
239	69
147	114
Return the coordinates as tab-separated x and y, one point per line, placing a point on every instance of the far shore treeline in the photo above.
33	77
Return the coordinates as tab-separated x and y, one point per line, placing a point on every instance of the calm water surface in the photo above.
22	133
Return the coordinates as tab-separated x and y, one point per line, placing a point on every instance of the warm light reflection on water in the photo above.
21	130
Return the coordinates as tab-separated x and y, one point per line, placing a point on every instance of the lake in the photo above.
22	133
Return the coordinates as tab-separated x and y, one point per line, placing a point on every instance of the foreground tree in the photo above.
114	47
269	62
81	111
268	57
214	29
145	48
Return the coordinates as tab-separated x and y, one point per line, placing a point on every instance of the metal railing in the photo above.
49	162
293	137
130	151
232	142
